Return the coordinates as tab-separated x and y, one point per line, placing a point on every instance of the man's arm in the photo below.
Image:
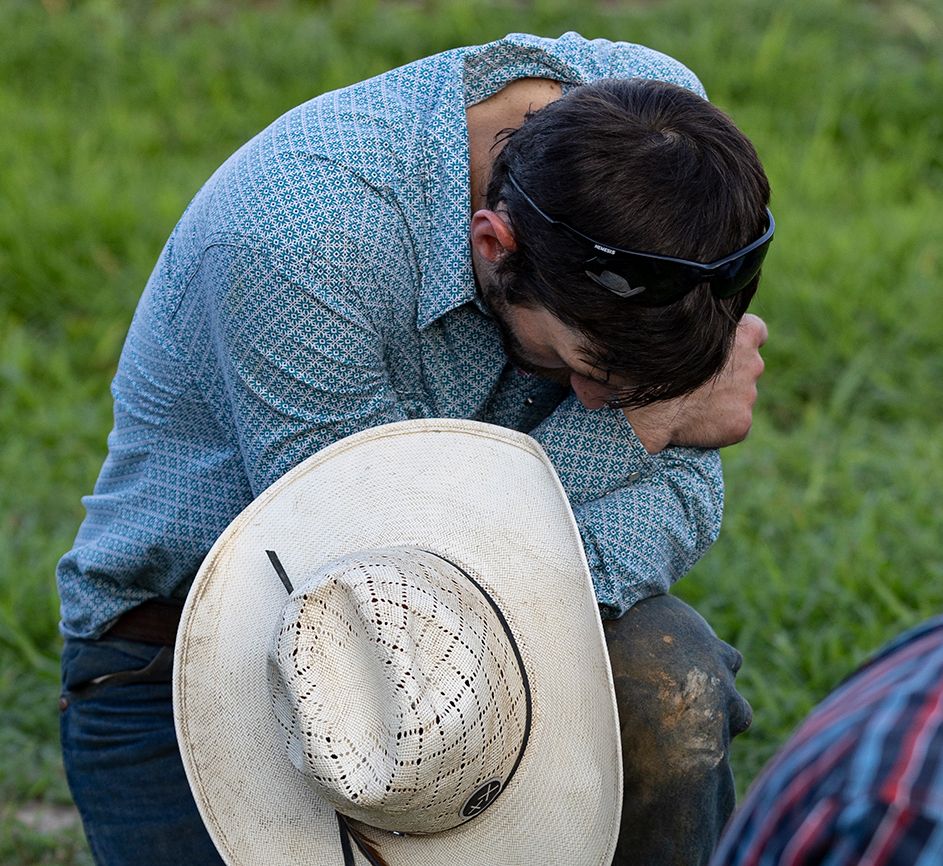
299	332
303	365
645	518
647	509
299	320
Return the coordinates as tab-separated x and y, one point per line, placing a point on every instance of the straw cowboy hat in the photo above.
394	655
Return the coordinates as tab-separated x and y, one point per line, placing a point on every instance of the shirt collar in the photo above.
448	280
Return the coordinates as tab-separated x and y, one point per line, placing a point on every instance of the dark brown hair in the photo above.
643	165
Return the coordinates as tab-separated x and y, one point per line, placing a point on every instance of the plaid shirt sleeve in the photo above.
840	833
861	781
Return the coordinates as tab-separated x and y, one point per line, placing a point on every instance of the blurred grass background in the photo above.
113	114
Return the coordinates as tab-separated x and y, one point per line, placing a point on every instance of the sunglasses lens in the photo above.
736	275
659	282
652	282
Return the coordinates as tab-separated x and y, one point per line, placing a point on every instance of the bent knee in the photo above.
690	714
675	686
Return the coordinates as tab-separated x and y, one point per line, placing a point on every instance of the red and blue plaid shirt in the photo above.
861	781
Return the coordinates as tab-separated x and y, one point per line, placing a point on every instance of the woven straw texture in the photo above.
398	690
480	496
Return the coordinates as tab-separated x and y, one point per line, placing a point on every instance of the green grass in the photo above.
114	113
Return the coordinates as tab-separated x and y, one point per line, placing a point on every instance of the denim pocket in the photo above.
119	749
90	666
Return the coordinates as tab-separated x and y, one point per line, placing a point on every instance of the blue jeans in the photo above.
678	709
121	756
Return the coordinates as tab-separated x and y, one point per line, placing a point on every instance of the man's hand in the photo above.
718	413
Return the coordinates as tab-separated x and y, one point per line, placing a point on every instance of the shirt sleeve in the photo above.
299	317
644	519
833	831
627	60
299	344
298	323
593	59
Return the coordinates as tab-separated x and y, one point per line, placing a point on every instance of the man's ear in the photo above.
491	236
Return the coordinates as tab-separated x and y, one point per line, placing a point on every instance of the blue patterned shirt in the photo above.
861	781
321	283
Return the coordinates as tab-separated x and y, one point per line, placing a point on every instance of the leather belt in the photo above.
153	621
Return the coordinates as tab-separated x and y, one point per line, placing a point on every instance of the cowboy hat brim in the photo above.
482	496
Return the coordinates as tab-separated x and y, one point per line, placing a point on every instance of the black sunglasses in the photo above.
660	280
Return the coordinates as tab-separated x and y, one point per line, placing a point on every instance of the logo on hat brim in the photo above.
482	798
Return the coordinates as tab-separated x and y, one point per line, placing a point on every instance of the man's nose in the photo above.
757	329
592	394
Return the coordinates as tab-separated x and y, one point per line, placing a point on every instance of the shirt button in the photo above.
634	476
